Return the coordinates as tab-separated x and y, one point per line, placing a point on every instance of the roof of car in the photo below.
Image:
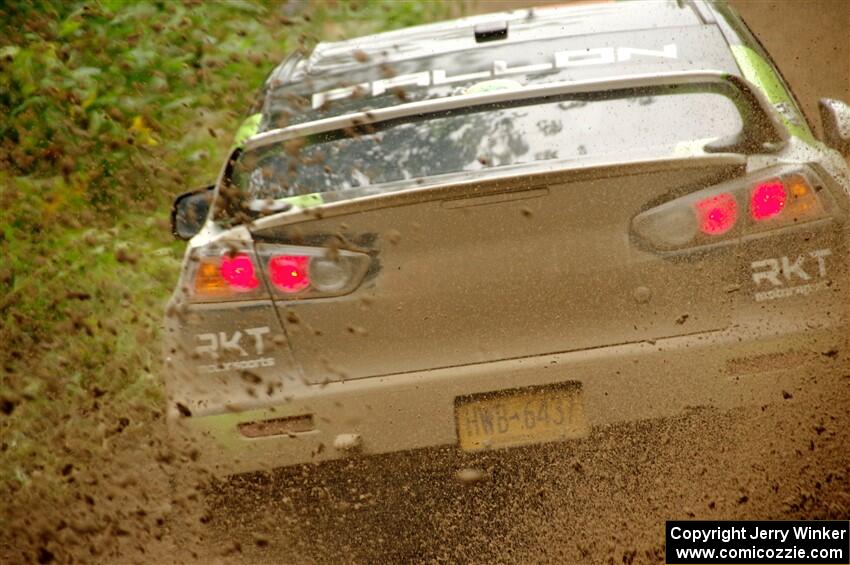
574	42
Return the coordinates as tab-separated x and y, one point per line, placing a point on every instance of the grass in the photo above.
112	108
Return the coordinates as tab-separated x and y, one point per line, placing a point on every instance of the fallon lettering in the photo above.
560	60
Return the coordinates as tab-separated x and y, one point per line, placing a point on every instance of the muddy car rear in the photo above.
508	265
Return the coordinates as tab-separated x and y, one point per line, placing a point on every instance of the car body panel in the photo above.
457	277
619	383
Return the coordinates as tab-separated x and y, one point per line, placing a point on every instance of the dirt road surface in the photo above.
599	500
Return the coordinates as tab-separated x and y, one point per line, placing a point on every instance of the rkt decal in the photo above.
790	276
212	344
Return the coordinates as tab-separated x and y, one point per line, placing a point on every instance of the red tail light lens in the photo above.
767	199
717	214
238	271
289	273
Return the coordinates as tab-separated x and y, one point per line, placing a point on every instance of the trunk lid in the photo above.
501	269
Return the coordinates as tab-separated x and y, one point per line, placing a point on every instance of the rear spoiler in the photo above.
762	131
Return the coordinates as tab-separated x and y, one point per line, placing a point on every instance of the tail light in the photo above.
311	272
768	199
288	273
717	214
735	210
238	272
223	273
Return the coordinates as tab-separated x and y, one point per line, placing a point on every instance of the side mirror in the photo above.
189	212
835	116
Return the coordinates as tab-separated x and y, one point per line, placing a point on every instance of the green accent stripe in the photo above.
304	200
248	128
762	75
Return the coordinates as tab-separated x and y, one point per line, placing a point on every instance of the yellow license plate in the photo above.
520	417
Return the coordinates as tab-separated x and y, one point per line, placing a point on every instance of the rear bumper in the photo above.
619	383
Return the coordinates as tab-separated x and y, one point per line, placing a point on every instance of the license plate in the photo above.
520	417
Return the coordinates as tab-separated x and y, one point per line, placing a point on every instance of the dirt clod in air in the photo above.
125	255
470	476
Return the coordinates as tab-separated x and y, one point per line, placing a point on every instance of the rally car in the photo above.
506	230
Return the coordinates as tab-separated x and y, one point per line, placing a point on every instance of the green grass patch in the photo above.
111	108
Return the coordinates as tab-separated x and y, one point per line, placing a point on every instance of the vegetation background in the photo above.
108	109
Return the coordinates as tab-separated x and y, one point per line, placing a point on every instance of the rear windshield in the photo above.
392	155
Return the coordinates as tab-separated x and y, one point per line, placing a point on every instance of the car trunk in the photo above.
503	269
